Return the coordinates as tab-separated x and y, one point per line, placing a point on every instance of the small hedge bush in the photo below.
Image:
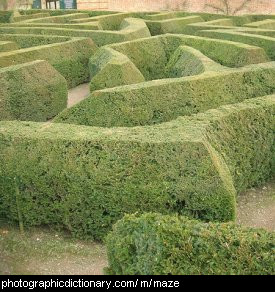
154	244
187	61
100	174
31	92
6	16
109	68
69	58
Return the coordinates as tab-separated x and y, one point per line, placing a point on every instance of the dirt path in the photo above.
77	94
44	252
256	207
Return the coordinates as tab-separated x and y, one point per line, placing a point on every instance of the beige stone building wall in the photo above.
258	6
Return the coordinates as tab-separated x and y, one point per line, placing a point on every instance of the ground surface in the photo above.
78	93
256	208
46	252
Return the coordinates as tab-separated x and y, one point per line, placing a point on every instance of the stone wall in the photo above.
256	6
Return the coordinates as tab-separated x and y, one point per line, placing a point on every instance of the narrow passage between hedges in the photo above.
77	94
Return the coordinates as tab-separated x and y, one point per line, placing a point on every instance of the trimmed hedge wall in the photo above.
56	12
154	244
82	26
32	40
69	58
100	174
267	23
59	18
258	31
227	53
30	16
187	61
7	46
31	92
174	25
109	68
265	42
131	29
100	38
164	100
151	55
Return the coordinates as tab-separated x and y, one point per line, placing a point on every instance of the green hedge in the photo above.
100	174
30	16
111	22
174	25
187	61
6	16
109	68
6	46
32	40
154	244
267	23
82	26
31	92
69	58
56	12
164	100
134	28
152	55
59	18
161	16
265	42
99	37
258	31
149	55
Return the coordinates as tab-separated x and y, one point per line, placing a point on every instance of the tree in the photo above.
178	5
227	7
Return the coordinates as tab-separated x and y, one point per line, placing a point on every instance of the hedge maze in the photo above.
179	120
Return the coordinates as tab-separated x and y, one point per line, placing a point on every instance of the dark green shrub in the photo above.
69	58
6	16
109	68
154	244
31	92
86	178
